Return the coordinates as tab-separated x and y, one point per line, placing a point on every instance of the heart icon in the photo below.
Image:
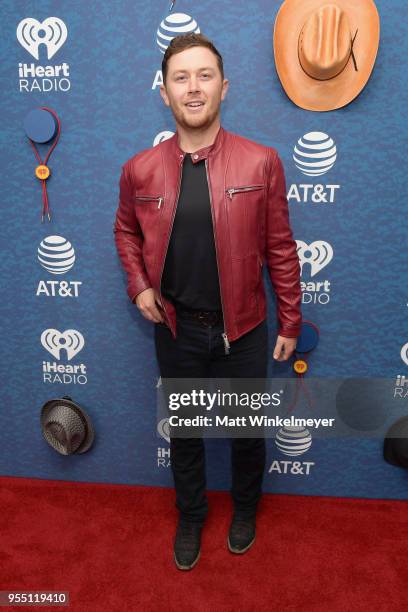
71	340
52	32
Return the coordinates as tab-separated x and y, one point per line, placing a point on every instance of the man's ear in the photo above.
163	94
225	85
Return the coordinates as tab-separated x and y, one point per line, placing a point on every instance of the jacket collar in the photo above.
201	153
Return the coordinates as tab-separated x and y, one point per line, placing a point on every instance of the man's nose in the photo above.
193	84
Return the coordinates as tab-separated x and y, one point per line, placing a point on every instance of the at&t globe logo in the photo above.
293	441
161	136
56	254
315	153
173	25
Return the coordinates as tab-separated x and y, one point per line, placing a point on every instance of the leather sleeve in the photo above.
281	256
129	239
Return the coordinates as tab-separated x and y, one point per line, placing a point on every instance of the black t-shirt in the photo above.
190	275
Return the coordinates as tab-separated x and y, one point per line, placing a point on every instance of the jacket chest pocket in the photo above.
244	206
147	210
149	200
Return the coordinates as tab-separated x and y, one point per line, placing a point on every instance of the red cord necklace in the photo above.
42	171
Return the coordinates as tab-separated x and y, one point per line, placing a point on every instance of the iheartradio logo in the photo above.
71	340
318	254
163	429
52	33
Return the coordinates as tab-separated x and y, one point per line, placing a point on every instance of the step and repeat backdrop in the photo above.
68	326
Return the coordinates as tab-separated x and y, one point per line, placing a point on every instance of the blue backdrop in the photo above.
104	85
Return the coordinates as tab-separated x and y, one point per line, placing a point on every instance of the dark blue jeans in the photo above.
198	352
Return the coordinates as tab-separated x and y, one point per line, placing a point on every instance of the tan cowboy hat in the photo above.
325	50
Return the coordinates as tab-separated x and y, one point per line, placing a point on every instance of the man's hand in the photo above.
148	302
284	348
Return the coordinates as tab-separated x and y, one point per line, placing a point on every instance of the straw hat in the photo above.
325	50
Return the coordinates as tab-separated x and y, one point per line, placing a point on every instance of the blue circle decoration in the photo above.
308	339
40	125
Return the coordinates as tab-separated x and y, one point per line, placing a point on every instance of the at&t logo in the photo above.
292	442
161	136
314	154
56	255
174	25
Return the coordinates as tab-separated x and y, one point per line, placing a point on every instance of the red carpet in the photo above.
111	547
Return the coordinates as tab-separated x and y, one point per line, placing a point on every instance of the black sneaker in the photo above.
241	534
187	545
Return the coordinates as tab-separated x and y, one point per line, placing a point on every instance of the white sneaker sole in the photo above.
242	550
187	567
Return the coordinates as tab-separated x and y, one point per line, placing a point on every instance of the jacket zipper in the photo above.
256	293
158	199
233	190
168	240
224	334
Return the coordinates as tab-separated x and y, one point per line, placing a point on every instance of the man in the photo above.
199	214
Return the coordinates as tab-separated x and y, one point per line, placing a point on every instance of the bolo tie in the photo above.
307	341
42	171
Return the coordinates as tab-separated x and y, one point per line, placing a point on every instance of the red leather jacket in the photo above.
251	227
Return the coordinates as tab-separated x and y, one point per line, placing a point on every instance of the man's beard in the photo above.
194	124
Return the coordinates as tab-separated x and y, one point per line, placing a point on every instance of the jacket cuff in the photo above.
137	285
292	331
